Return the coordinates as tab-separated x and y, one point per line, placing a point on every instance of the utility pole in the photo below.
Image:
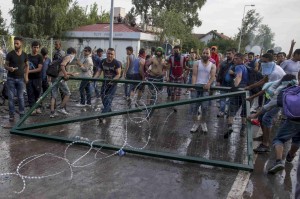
111	27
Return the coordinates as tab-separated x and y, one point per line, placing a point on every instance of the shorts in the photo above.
176	91
140	86
155	79
62	85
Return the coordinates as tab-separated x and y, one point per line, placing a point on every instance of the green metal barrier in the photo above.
23	130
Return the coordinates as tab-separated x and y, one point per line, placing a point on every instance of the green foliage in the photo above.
3	29
264	37
192	42
188	8
249	26
223	44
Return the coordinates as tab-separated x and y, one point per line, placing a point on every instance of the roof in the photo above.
104	27
220	35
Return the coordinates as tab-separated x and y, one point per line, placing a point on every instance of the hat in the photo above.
159	49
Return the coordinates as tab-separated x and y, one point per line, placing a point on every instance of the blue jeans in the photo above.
85	90
94	89
288	130
107	95
34	89
127	86
195	106
223	102
15	85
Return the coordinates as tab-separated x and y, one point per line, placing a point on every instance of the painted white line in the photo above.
239	186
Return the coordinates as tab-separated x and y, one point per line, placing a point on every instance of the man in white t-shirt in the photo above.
271	72
292	66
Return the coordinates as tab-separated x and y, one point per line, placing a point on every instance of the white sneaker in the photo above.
194	128
38	111
204	127
53	115
80	105
63	111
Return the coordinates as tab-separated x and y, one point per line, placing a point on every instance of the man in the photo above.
281	57
128	71
62	85
137	73
177	64
252	61
58	53
271	72
46	62
111	69
17	72
204	73
34	86
156	71
292	66
215	56
240	81
225	79
86	68
96	61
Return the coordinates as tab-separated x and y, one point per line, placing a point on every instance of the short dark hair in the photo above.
281	53
296	52
251	53
239	55
142	51
230	50
35	43
268	56
177	47
19	39
99	50
71	50
88	48
129	48
111	49
271	51
44	51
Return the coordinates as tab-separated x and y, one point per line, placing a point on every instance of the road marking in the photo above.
239	186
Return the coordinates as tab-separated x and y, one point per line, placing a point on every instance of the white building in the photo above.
97	36
211	35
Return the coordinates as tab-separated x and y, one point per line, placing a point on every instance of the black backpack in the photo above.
54	67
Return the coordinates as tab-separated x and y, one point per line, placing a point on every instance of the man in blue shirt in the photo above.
241	80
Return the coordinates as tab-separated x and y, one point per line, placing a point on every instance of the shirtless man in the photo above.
156	71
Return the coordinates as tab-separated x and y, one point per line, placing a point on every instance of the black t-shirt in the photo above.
34	61
16	61
109	69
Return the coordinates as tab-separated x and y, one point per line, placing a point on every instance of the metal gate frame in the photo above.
18	129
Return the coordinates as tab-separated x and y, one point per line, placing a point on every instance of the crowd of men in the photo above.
272	73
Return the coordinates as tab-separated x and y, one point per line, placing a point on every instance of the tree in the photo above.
192	42
3	29
264	37
75	17
223	44
189	9
249	25
39	19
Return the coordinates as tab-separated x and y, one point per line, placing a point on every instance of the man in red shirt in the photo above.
214	55
177	65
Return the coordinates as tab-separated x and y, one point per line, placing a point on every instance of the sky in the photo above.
283	17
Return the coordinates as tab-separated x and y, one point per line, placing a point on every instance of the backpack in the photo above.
291	102
54	67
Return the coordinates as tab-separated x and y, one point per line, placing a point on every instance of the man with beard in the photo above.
156	71
225	79
204	73
17	67
292	66
177	65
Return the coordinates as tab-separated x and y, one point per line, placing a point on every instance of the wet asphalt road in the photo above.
134	176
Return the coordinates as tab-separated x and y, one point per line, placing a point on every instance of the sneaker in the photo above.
228	133
38	111
63	111
80	105
278	166
262	149
204	127
194	128
101	121
53	114
259	138
11	118
289	157
220	114
88	105
33	112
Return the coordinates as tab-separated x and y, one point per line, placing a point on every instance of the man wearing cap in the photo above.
156	71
